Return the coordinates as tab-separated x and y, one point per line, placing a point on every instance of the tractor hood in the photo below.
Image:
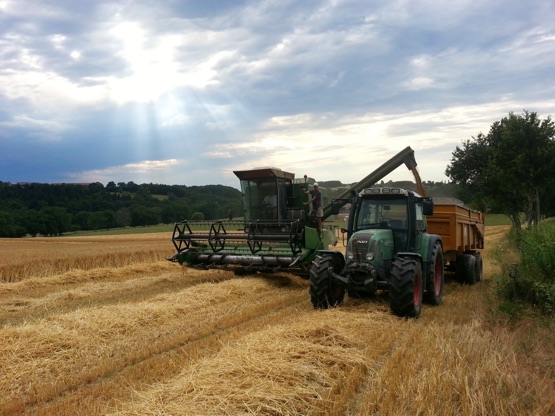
370	246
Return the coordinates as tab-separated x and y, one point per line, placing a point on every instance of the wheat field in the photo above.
106	326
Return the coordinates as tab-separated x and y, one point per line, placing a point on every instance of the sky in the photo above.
187	91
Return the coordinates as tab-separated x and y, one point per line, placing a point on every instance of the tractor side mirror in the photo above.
427	207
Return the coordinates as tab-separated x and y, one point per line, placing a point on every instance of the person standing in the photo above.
317	207
270	204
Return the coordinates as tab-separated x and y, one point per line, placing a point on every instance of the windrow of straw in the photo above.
21	259
77	275
42	359
455	369
303	367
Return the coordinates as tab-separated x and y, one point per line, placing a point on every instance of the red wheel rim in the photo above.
437	276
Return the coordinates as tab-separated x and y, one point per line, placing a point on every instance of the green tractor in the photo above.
388	248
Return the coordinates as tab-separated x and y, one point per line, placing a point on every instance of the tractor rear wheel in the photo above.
325	292
405	295
435	277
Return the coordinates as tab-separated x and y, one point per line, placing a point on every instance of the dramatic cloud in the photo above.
186	92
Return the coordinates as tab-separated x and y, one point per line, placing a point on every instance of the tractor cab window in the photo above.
421	224
373	213
384	214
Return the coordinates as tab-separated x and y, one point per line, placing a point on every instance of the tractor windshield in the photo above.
384	213
381	213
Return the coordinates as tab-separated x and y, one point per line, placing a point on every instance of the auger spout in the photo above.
405	156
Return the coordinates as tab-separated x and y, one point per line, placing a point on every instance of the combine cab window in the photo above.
264	198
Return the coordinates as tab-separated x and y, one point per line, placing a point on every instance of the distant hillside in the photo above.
54	209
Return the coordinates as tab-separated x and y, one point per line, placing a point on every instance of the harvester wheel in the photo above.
435	277
467	269
405	295
325	292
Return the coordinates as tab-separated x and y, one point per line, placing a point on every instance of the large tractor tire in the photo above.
325	292
435	277
405	295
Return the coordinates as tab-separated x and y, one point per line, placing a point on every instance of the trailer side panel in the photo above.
461	228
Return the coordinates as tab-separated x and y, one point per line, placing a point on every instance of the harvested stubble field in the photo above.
103	325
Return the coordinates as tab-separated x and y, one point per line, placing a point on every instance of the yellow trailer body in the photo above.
461	229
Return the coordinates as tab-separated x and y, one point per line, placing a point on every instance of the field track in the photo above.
104	325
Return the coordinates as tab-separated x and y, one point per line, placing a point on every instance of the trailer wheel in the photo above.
325	292
467	269
405	295
479	267
435	277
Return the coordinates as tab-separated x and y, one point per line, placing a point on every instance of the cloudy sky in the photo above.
186	91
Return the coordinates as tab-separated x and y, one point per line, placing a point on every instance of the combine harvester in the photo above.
389	246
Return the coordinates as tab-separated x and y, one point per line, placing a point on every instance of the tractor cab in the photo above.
398	210
266	193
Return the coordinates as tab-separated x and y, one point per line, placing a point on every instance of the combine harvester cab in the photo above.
276	231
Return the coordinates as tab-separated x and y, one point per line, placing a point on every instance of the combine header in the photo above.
277	231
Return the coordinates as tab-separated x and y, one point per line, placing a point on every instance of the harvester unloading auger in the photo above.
277	238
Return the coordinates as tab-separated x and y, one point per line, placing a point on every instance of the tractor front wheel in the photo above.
405	294
325	292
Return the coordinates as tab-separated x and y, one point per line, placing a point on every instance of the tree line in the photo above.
54	209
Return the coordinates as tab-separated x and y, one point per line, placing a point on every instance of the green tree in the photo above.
58	220
197	216
510	169
123	217
9	226
111	187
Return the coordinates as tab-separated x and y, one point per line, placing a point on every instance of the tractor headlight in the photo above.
369	256
349	255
